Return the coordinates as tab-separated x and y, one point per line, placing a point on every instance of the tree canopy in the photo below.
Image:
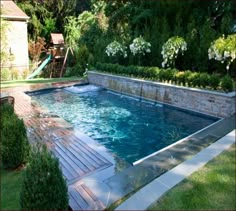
100	22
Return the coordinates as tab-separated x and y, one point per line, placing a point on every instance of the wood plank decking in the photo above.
76	158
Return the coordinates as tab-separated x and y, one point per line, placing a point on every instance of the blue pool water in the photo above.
129	128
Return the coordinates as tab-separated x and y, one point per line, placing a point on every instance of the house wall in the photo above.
17	41
204	101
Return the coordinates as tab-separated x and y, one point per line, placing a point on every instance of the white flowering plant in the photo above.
140	46
223	50
171	49
116	49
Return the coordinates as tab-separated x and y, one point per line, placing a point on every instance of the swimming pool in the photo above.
128	127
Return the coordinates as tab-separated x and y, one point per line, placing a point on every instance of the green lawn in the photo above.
10	189
212	187
7	84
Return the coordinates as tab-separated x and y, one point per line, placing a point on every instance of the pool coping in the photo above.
149	194
175	143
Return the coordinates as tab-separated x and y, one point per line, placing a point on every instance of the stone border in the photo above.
142	199
204	101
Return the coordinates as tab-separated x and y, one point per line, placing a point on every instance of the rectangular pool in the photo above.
129	128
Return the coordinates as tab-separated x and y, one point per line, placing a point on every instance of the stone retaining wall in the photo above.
209	102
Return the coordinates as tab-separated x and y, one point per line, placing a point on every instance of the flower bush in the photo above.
140	46
171	49
223	49
116	49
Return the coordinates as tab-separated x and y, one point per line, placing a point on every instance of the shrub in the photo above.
25	73
186	77
76	70
171	49
194	79
223	49
180	78
166	75
82	56
44	187
214	81
140	46
204	80
91	60
227	84
154	73
116	49
6	110
5	74
15	74
14	142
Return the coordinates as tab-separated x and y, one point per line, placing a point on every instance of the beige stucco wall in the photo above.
17	40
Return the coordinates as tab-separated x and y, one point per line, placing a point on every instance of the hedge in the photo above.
14	143
44	187
174	76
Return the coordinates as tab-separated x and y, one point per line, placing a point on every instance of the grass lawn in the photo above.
7	84
212	187
10	189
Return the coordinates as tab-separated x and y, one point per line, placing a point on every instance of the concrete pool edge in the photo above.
141	200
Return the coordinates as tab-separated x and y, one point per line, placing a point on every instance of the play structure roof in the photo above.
10	10
57	39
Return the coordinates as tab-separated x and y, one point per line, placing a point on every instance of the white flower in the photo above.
140	46
115	49
172	48
223	49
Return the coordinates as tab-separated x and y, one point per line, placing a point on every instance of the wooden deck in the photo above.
81	198
76	158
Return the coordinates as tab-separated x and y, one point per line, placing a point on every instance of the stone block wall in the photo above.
208	102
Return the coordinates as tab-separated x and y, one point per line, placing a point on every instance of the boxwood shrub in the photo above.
214	81
14	143
44	187
184	78
227	83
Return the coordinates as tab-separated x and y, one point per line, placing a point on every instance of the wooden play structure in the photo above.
58	59
55	60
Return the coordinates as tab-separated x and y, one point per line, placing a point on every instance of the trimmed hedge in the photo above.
44	187
14	143
227	83
184	78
